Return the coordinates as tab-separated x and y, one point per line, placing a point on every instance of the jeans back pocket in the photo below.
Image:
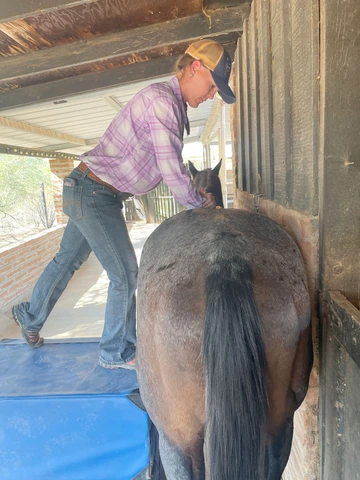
72	194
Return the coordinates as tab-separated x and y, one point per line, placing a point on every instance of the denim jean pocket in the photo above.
72	201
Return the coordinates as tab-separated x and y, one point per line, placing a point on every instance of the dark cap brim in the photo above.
225	91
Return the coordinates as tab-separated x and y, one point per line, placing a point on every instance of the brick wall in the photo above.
21	265
304	459
60	169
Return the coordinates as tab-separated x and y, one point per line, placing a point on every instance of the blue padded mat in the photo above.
62	416
58	368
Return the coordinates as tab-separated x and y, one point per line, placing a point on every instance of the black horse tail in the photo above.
235	369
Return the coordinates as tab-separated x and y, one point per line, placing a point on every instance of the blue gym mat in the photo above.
62	416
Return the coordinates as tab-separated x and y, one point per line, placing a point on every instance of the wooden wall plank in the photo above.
304	104
340	148
340	399
239	122
265	98
280	18
246	103
256	173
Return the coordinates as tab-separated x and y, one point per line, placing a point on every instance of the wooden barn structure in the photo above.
67	66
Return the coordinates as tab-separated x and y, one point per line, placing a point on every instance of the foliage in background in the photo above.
21	205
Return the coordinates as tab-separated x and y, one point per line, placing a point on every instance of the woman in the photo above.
141	146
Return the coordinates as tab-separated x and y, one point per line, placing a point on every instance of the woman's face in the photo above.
198	84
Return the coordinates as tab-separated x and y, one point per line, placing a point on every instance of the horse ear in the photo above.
192	169
217	168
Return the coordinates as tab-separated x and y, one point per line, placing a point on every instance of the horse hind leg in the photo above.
179	465
279	450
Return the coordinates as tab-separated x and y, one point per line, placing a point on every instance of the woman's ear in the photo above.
195	66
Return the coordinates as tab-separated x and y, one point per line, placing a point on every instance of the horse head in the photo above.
208	179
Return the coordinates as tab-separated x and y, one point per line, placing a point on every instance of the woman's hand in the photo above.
209	201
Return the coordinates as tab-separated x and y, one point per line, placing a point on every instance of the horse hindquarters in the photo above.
234	361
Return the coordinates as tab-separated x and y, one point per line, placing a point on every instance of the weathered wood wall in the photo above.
277	61
276	138
297	145
340	238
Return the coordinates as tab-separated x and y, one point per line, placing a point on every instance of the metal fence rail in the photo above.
163	203
158	205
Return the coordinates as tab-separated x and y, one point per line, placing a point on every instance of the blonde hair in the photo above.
184	61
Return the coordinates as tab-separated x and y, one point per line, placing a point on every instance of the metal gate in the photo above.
340	389
162	203
156	206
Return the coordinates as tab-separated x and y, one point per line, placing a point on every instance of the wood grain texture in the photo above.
265	98
304	33
340	148
281	100
246	110
72	21
128	46
256	170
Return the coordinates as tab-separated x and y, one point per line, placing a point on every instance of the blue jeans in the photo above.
96	224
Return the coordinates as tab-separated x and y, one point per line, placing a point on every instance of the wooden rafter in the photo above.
45	132
131	45
90	82
14	9
24	34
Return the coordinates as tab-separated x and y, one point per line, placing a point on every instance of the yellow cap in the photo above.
214	56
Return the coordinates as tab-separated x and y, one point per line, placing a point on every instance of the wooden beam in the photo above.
212	4
45	132
133	45
90	82
24	34
14	9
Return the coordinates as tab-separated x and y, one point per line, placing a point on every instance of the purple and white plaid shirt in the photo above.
143	145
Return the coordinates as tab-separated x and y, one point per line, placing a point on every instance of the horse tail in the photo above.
235	370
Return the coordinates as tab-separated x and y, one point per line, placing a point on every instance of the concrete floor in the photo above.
80	310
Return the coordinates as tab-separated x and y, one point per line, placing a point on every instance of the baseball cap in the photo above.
214	56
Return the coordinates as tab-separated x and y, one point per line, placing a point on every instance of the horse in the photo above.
208	179
224	348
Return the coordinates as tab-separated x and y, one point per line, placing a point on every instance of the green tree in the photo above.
20	194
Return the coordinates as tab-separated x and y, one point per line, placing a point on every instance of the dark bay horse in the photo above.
224	343
209	179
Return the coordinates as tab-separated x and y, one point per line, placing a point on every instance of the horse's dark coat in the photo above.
224	343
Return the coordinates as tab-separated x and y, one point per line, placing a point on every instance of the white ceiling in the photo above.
84	117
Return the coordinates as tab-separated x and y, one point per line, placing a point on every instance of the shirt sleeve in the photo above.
166	131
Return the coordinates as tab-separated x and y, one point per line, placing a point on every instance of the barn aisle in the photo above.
80	311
